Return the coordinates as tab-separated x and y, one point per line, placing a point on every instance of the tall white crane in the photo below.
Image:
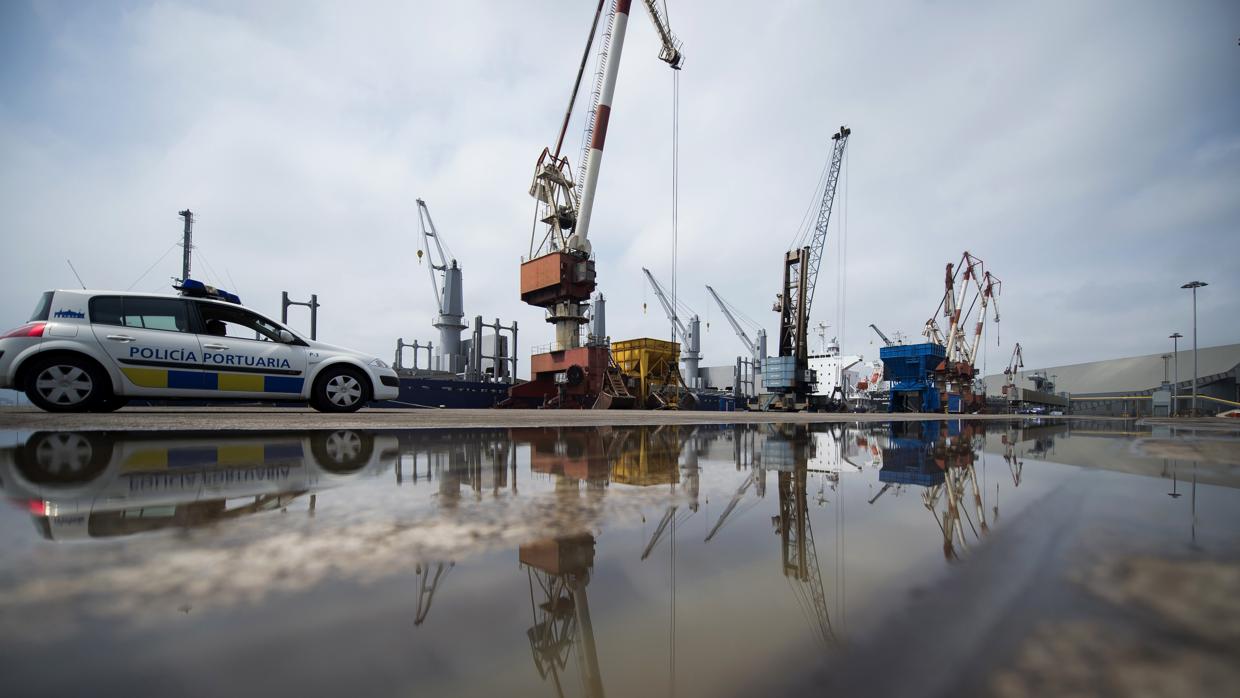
691	351
446	280
756	347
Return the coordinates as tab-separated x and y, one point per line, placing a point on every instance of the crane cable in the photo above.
675	182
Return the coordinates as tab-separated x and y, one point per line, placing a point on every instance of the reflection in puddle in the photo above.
631	543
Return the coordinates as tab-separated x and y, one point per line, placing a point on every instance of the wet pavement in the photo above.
904	558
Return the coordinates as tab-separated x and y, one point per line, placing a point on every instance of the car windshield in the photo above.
44	308
226	321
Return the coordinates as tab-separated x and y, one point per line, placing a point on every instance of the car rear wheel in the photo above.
339	389
66	384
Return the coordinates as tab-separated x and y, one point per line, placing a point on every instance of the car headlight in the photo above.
378	363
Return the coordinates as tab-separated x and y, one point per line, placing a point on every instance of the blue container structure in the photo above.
910	370
779	373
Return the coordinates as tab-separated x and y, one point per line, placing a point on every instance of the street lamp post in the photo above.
1175	387
1194	285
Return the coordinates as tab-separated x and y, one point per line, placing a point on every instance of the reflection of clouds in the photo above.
361	534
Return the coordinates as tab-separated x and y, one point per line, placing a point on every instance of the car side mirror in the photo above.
287	337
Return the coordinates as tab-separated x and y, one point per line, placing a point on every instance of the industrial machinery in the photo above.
650	374
787	378
559	569
799	554
691	336
756	347
445	277
886	342
559	274
940	374
1009	374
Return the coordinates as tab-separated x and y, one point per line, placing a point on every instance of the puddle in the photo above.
686	560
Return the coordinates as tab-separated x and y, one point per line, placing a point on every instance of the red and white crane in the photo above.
967	286
559	274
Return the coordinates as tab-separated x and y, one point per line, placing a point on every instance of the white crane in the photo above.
886	342
691	351
757	348
446	284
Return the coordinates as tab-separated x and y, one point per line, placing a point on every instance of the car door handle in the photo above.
120	337
216	347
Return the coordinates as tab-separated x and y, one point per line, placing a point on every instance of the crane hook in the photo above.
419	256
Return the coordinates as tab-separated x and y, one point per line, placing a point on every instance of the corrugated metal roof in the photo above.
1135	373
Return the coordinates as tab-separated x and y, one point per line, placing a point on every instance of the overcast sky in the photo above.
1088	152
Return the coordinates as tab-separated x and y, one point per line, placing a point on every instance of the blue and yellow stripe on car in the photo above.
168	378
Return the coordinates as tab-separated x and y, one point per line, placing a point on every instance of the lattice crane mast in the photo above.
801	264
559	274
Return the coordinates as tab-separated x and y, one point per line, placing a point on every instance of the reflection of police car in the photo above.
93	350
99	484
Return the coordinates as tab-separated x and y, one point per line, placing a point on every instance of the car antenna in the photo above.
79	278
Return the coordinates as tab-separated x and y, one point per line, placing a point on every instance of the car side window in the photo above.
236	323
167	314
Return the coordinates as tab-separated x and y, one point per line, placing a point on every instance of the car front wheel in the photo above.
339	389
66	384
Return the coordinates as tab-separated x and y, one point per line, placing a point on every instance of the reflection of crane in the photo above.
756	347
736	498
427	584
559	571
691	336
446	284
800	555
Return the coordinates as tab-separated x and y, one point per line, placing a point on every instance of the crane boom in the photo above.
818	242
672	315
689	336
431	235
736	326
447	284
669	53
886	342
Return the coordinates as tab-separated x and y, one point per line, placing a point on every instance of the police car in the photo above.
92	351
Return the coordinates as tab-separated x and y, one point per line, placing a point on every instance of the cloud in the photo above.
1074	148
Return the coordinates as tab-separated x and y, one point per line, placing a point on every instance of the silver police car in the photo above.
95	350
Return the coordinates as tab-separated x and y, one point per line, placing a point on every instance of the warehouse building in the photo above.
1131	386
